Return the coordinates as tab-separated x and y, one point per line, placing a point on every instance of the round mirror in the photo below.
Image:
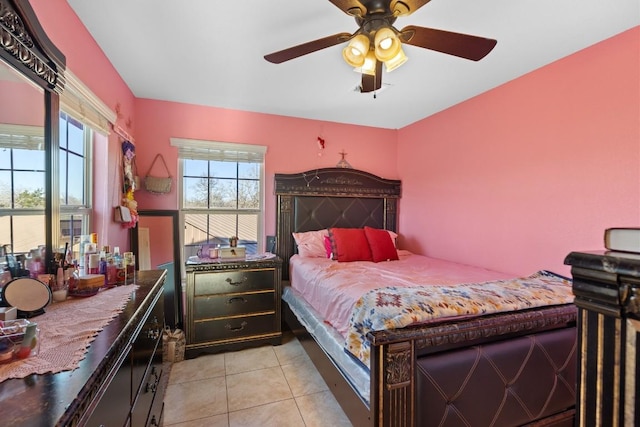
27	295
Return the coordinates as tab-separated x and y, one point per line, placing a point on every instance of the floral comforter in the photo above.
397	307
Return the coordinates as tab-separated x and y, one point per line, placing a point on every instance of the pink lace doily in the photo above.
66	330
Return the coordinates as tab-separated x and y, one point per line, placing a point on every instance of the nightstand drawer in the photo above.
233	281
234	327
209	306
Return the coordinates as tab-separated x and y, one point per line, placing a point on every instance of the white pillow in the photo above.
311	243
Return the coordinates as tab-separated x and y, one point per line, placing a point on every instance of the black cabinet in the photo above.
607	293
133	395
233	304
147	371
118	382
115	403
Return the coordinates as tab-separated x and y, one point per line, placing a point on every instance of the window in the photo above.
75	180
38	178
22	187
221	186
22	184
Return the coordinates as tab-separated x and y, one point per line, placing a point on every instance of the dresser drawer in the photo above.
235	327
209	306
233	281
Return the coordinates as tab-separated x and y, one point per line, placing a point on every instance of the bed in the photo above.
499	369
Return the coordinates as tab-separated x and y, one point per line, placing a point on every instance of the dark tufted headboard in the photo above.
331	197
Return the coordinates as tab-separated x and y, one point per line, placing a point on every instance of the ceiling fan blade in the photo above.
305	48
350	7
411	5
371	83
456	44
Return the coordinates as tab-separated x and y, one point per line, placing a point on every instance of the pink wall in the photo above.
518	177
30	109
87	61
292	144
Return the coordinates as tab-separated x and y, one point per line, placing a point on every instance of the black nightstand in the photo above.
232	305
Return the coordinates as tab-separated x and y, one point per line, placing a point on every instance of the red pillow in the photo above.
349	244
382	247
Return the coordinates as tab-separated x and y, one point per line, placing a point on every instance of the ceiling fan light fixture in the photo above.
396	61
387	44
369	66
355	52
400	8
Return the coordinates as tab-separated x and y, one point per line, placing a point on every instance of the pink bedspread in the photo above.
333	288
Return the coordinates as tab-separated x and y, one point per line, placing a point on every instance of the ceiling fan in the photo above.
377	42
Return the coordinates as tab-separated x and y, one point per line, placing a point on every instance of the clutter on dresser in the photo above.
29	281
8	313
19	339
87	286
232	252
195	260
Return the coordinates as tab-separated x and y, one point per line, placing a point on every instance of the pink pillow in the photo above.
311	243
327	247
394	238
382	247
349	244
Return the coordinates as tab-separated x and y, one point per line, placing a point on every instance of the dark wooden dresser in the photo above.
119	382
232	304
607	293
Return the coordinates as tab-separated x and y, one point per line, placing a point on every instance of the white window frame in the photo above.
21	137
216	150
85	210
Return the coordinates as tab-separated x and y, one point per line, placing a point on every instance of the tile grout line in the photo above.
292	395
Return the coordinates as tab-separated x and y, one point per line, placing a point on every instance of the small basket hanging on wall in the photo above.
157	184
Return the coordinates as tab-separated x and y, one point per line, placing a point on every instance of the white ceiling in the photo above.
210	52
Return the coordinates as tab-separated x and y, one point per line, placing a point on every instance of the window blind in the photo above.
21	137
82	104
195	149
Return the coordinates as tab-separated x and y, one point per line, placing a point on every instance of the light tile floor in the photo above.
263	386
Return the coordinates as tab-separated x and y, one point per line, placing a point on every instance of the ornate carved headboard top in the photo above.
331	197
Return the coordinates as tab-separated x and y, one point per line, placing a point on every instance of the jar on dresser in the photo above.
232	305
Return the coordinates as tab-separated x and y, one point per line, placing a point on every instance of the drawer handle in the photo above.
153	334
236	328
236	299
231	282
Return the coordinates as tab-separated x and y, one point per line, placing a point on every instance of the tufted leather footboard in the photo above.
530	379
